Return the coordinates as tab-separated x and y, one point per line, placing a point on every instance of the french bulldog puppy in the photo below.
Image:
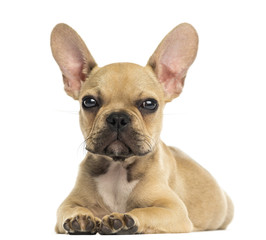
130	181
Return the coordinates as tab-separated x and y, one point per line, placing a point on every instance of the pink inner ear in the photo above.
176	55
172	69
171	80
72	69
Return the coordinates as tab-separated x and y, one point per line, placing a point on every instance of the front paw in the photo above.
118	223
82	224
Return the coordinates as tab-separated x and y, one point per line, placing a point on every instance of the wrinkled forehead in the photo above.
123	78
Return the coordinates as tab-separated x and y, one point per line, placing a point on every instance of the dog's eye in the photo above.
89	102
149	104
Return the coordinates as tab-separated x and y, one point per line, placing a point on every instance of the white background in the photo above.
219	119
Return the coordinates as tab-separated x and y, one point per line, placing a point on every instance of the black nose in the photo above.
118	121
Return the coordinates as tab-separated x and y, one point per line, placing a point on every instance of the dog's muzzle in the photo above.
118	139
118	123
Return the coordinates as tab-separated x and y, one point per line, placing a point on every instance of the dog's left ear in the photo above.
173	57
72	56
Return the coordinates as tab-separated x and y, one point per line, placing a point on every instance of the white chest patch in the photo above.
114	187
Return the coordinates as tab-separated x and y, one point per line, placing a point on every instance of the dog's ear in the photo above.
72	56
173	57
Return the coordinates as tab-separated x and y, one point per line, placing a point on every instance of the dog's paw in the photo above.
118	223
82	224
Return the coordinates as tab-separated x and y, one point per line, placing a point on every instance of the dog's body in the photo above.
130	181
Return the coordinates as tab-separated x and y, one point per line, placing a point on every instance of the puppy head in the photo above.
122	103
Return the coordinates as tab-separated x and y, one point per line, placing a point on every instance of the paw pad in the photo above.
118	224
81	224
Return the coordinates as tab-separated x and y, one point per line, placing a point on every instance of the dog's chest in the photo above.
114	187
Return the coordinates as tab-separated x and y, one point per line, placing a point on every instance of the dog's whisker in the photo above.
82	149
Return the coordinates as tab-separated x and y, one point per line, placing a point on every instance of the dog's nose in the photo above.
118	121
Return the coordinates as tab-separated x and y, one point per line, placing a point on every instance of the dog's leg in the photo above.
162	220
166	215
74	219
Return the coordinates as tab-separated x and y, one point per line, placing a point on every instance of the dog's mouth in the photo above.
119	146
118	150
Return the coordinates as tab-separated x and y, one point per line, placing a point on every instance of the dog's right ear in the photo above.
72	56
